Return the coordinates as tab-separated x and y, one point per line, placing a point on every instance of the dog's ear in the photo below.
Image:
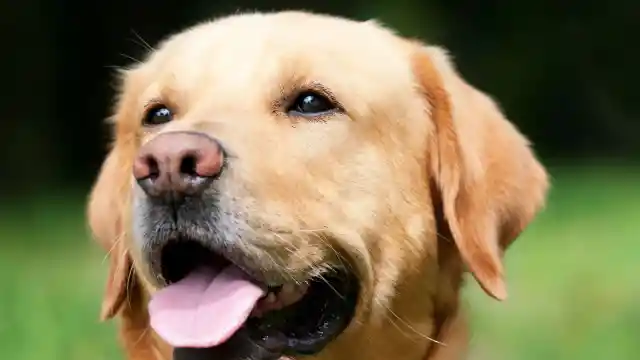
106	215
490	184
109	201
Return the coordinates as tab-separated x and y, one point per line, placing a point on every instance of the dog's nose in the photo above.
178	164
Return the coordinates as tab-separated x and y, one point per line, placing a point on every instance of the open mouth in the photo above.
209	303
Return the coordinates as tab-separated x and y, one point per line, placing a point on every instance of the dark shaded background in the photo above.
566	72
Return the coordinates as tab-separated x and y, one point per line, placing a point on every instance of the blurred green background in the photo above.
565	73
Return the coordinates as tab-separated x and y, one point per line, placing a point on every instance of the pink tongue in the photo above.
204	309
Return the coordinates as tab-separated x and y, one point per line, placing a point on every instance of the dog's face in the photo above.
279	165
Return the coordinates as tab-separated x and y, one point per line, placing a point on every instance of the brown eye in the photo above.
310	103
158	115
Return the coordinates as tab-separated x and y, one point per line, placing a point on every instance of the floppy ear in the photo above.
109	202
489	181
106	213
109	217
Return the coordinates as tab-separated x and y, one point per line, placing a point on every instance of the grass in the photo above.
572	276
572	279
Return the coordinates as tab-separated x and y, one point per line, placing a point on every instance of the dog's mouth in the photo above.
212	309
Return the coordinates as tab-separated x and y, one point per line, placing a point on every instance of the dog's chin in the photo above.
290	319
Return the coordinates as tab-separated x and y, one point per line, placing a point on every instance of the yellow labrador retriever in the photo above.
304	186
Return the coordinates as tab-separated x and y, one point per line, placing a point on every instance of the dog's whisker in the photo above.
321	277
407	325
112	67
320	236
293	251
311	230
116	242
440	236
314	270
131	58
281	271
142	335
128	283
319	272
142	41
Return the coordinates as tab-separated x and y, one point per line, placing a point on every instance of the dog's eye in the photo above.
310	103
158	115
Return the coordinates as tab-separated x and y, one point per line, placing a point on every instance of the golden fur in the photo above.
420	179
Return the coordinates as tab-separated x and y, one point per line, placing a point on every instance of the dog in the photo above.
298	185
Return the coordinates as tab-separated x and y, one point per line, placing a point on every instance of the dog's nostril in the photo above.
188	165
154	169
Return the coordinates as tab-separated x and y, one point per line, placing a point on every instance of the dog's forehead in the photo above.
259	49
287	32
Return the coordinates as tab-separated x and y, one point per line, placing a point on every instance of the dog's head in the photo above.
276	179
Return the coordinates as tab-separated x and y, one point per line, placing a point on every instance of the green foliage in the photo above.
573	288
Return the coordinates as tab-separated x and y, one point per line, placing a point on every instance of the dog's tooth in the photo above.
291	293
271	298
